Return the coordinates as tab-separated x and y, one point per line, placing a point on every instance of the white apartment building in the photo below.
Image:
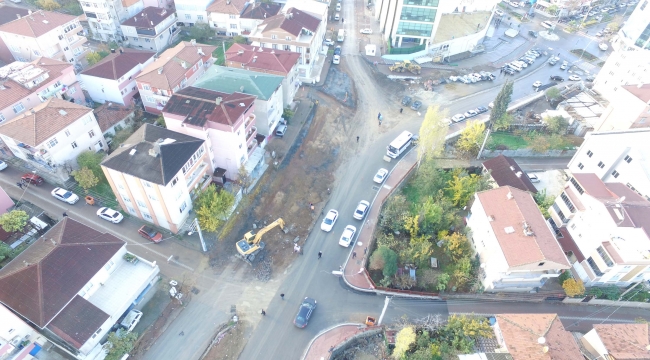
629	108
13	332
152	29
104	17
255	14
224	16
616	156
44	33
192	11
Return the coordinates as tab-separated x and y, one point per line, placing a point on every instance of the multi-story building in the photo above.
13	332
175	69
104	17
223	15
629	63
318	9
617	341
266	88
516	247
504	171
192	11
616	156
604	228
151	29
163	4
156	173
113	78
629	108
26	85
44	33
275	62
255	14
225	121
8	14
296	31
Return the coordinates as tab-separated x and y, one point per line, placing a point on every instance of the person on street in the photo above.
263	312
354	254
400	110
357	139
320	254
379	116
282	296
65	214
20	185
311	206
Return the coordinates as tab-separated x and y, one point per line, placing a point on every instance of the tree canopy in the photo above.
501	102
85	177
212	207
432	134
13	221
120	345
201	32
92	161
471	138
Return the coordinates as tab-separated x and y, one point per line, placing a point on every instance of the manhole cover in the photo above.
376	188
195	290
233	308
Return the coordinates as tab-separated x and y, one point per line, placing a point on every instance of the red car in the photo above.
150	234
32	179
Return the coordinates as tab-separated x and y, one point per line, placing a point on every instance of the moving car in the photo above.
329	220
336	59
574	78
458	118
406	100
470	114
304	312
481	109
361	210
498	12
557	78
32	179
109	214
416	105
65	196
347	236
150	234
537	84
547	24
366	31
532	33
3	165
380	176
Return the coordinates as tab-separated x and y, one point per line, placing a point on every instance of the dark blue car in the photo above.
304	312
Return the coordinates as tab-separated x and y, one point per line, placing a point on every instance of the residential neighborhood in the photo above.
232	179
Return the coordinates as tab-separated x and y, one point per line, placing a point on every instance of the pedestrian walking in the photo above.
365	251
354	254
320	254
379	116
311	206
263	312
379	122
20	185
400	110
357	141
282	296
65	214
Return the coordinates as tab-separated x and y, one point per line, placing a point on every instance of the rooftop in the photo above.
624	341
262	60
153	154
641	91
199	106
230	80
109	114
148	18
520	228
233	7
318	9
293	22
9	13
117	64
456	25
261	11
506	172
78	321
38	23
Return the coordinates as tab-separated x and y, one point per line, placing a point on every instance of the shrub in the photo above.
573	287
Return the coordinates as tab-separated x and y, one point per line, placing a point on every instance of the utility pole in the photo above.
198	229
487	135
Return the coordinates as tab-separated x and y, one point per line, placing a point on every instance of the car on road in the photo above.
564	66
447	122
574	78
514	4
557	78
590	78
470	113
547	24
361	210
304	312
498	12
491	104
337	51
406	100
329	220
380	176
532	33
533	178
347	236
32	179
281	130
3	165
366	31
336	59
109	214
329	42
537	84
65	195
603	46
599	34
481	109
150	234
416	105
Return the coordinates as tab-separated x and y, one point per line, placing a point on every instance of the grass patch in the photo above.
640	296
218	53
537	141
499	140
585	54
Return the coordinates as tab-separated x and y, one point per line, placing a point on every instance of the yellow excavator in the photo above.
252	243
406	65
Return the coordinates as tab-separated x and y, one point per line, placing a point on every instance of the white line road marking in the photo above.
386	301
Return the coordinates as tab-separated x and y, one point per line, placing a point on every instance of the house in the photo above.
504	171
151	29
297	31
267	89
104	18
175	69
15	332
163	4
73	284
26	85
8	14
516	247
616	156
318	9
628	109
44	33
618	341
275	62
225	121
223	15
113	78
52	135
255	14
112	118
191	12
604	228
156	173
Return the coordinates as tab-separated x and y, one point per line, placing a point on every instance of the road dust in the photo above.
339	86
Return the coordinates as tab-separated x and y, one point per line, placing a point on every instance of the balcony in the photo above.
250	121
195	174
251	133
51	91
251	145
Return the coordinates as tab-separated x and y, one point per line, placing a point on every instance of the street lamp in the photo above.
197	228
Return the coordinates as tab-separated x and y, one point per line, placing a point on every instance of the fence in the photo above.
409	50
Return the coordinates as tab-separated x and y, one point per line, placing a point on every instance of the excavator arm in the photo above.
267	228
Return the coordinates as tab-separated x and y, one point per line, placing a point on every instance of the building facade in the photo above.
104	17
255	14
152	29
224	16
628	109
191	12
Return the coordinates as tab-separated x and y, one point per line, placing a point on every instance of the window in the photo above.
87	120
594	267
74	144
108	266
126	199
120	186
234	26
72	90
577	186
96	333
141	204
274	37
67	133
589	153
414	29
580	166
183	206
146	216
131	210
615	173
188	17
628	159
86	288
199	17
2	117
146	183
560	213
601	164
149	99
174	181
567	202
19	108
153	197
233	16
605	256
146	87
52	143
91	133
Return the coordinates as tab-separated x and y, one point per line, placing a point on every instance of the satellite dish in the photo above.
541	340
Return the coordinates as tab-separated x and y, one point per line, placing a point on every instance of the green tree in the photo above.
72	8
468	327
13	221
553	94
471	138
92	161
573	287
432	134
5	251
93	58
503	123
501	102
556	124
463	186
544	202
120	344
85	177
553	9
160	121
287	113
48	5
390	266
443	280
201	32
394	214
212	207
240	39
456	246
403	341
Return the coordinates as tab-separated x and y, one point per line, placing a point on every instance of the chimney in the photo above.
218	101
512	168
509	196
160	70
29	12
155	149
254	58
518	173
184	64
193	42
240	52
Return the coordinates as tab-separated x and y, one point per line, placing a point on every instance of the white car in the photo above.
329	220
470	114
458	118
574	78
3	165
336	59
347	236
547	24
491	104
447	122
362	210
65	195
380	176
514	4
537	84
603	46
366	31
109	214
328	42
498	12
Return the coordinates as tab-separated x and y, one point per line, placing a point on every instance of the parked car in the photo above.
131	320
498	12
533	178
3	165
557	78
481	109
447	122
150	234
491	104
329	42
406	100
564	66
347	236
537	84
603	46
32	178
65	195
574	78
280	130
305	311
361	210
329	220
380	176
458	118
337	50
366	31
336	59
109	214
532	33
470	114
416	105
547	24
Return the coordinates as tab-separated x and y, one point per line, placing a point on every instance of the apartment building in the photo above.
223	15
629	108
8	14
25	85
152	29
175	69
616	156
191	12
113	78
604	228
255	14
14	332
157	172
104	17
44	34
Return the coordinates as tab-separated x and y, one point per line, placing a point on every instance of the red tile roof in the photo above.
640	91
625	341
292	22
38	23
262	60
593	186
148	18
42	280
261	11
109	114
512	208
233	7
115	65
506	171
199	106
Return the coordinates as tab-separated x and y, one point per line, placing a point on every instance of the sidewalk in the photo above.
329	339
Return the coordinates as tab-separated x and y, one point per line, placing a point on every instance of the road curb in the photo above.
311	342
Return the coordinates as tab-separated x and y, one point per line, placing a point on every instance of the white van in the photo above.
131	320
515	66
337	17
521	64
338	7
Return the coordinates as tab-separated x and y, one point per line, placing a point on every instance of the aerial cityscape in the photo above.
324	179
